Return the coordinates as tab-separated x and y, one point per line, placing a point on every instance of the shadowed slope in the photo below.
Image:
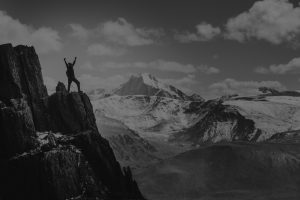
233	171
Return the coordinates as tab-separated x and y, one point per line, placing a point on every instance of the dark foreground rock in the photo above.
16	127
38	163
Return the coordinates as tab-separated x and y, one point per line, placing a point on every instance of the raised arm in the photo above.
74	61
65	61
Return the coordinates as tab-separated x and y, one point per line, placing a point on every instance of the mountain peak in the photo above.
146	77
149	85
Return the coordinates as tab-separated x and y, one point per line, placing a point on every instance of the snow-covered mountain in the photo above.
146	84
153	118
243	118
150	116
143	109
271	114
172	123
147	106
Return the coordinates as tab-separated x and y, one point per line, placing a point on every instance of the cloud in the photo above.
293	65
205	32
90	82
44	39
118	32
104	50
124	33
208	69
232	86
162	65
79	31
50	83
276	21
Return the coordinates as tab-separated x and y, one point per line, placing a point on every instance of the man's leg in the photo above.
69	84
77	83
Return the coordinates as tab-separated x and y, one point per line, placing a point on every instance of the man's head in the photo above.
70	64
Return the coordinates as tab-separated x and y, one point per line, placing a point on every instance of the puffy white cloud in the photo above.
119	32
90	82
275	21
205	32
163	65
232	86
124	33
104	50
292	65
44	39
79	31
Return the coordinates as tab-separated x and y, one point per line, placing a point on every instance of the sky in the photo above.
209	47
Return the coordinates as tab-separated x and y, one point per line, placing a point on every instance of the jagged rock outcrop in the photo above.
21	77
78	163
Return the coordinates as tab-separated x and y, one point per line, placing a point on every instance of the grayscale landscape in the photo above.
150	100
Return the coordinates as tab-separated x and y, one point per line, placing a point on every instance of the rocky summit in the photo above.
50	146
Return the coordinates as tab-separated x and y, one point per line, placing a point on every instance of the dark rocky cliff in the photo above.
50	147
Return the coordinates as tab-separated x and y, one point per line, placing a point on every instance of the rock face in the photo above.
38	163
21	77
17	128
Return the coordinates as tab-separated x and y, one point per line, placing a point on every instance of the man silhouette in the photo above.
71	75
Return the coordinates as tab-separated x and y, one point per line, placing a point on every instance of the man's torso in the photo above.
70	72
